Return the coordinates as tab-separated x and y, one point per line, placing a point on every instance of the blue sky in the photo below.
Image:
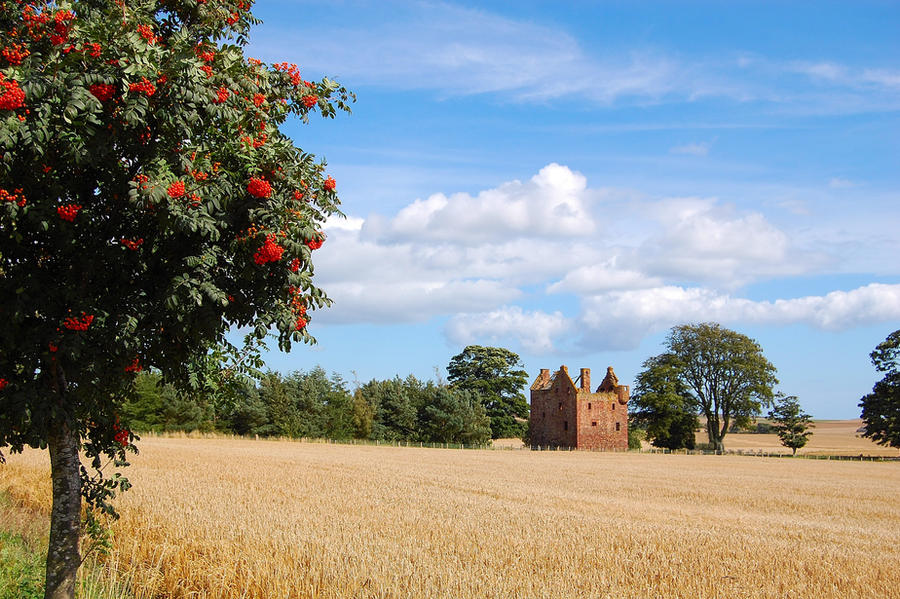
571	180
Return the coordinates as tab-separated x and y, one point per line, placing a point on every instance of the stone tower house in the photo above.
565	413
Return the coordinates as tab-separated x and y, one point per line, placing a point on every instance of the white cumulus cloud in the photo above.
475	257
702	240
552	203
621	319
534	330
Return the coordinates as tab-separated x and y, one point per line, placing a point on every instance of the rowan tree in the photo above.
148	203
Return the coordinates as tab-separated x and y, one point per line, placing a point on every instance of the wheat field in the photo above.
217	518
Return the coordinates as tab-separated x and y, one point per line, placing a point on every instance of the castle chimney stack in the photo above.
545	375
586	379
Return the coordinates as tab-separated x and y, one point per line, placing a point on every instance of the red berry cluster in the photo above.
17	196
176	189
147	33
103	91
330	184
143	86
3	384
11	95
310	100
208	70
259	99
315	244
269	252
295	264
15	54
141	181
135	366
132	244
93	49
221	95
121	435
259	188
61	26
68	212
291	70
34	22
78	324
298	307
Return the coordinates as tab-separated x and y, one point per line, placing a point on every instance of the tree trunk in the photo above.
714	434
63	556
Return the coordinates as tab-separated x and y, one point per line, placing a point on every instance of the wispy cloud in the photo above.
461	51
455	50
838	183
692	149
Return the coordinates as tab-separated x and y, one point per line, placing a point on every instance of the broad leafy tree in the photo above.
496	375
790	422
148	203
721	372
881	407
663	406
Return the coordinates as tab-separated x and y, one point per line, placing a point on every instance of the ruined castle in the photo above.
565	413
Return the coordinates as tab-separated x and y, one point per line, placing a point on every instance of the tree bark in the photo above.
63	556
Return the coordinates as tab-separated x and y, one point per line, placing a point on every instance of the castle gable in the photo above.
610	381
562	381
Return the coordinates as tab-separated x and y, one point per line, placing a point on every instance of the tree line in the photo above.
313	404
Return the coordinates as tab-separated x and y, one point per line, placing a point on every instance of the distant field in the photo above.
216	518
833	437
836	437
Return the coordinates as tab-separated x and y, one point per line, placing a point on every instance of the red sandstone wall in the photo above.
598	414
553	417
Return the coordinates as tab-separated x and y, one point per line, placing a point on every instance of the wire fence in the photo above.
510	447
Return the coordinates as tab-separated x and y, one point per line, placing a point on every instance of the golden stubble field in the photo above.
216	518
830	437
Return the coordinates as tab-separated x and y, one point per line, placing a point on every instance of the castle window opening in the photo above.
618	426
593	423
589	405
566	425
613	405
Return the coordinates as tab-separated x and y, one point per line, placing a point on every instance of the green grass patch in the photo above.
21	567
23	552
